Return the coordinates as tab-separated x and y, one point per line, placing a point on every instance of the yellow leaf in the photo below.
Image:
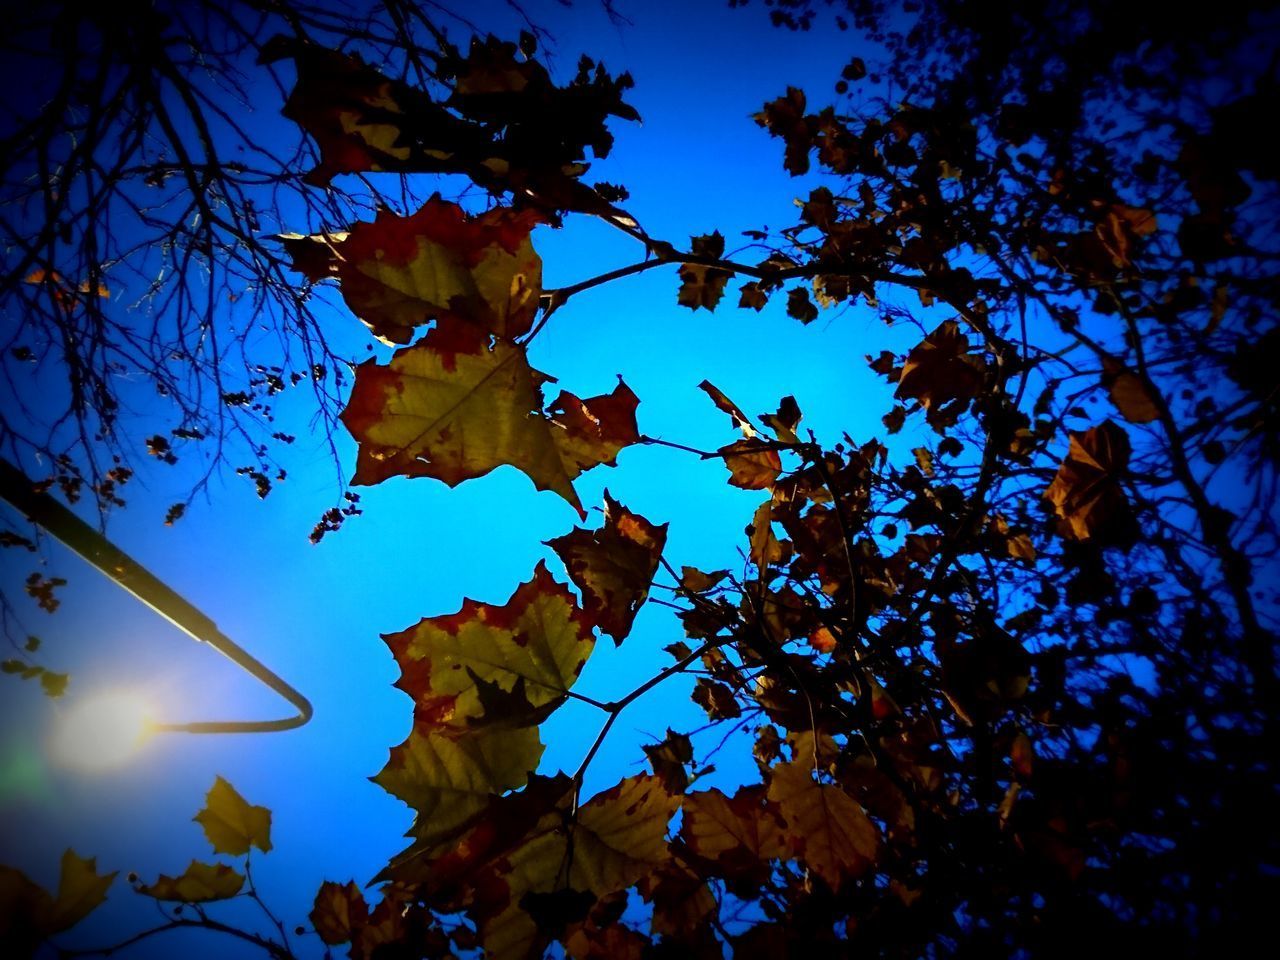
453	407
231	823
80	890
826	828
399	272
448	781
201	882
539	639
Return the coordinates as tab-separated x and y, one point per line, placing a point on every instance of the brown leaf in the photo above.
752	465
1130	395
1086	492
339	912
613	566
825	827
740	419
941	369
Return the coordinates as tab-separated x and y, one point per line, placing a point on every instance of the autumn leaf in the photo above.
752	464
355	113
199	883
398	273
315	255
1086	491
448	779
752	296
826	828
1129	393
618	837
740	419
231	824
539	636
339	912
941	369
716	699
800	306
741	832
766	548
613	566
29	914
668	760
703	286
454	408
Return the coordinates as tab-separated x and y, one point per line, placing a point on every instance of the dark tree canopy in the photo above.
1010	692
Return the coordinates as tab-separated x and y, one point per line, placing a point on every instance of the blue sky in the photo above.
314	614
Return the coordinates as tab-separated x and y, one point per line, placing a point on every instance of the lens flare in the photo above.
102	732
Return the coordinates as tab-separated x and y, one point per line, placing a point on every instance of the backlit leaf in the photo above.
1086	492
737	830
199	883
231	824
826	828
740	419
1130	395
454	408
752	465
80	890
449	779
941	369
399	272
539	636
339	912
613	566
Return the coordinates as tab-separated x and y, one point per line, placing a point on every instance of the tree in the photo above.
1009	690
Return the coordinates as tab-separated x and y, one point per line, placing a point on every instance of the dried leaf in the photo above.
613	566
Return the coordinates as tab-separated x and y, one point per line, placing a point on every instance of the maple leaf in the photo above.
231	824
449	779
941	368
742	832
703	286
539	636
613	566
356	114
826	828
314	255
617	837
397	273
682	900
668	760
339	912
454	408
1086	491
752	465
1129	393
29	914
199	883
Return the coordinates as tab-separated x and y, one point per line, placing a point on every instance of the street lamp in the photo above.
109	714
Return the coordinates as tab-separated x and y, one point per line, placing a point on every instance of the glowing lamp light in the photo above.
106	730
102	732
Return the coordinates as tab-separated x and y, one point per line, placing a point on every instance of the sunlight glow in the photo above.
102	732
